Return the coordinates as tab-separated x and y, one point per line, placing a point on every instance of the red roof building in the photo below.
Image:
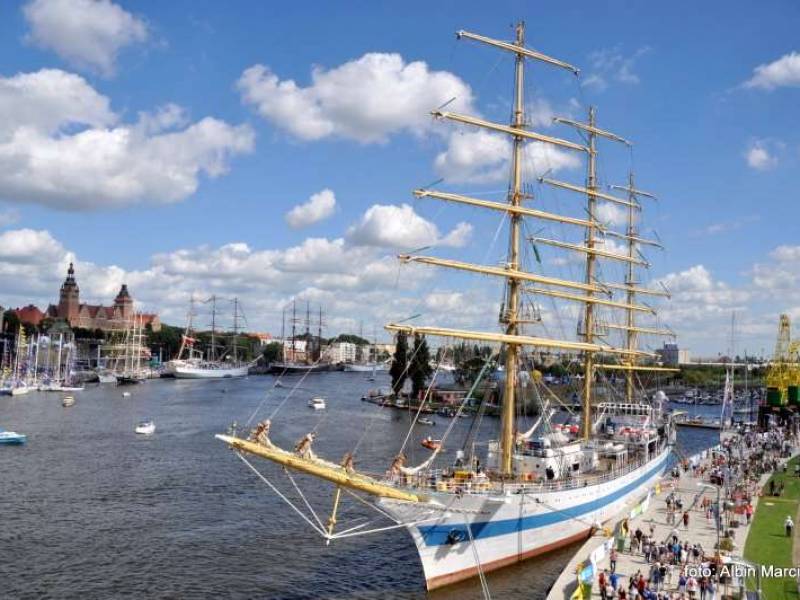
95	316
30	315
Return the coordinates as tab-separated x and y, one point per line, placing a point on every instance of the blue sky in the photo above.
197	196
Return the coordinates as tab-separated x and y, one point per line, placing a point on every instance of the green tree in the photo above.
11	322
272	352
168	340
398	370
351	338
420	368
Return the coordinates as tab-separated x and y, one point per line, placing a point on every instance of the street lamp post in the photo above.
719	510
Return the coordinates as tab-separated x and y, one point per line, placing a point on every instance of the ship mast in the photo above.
511	312
213	353
592	195
630	334
235	328
589	292
588	320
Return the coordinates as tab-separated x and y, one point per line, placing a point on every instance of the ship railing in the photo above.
435	480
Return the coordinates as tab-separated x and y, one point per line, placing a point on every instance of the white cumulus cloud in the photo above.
62	146
760	155
86	33
478	156
319	207
783	72
394	226
366	99
611	214
610	64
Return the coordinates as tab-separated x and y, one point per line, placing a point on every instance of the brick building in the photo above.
95	316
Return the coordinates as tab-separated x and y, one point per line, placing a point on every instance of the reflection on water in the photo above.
89	509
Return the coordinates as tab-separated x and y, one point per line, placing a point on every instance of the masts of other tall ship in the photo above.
235	338
318	349
294	329
212	353
187	334
283	334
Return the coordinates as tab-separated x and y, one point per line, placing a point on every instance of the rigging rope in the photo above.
422	402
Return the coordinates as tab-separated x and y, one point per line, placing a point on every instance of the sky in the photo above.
268	151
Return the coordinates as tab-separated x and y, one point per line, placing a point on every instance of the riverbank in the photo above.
697	496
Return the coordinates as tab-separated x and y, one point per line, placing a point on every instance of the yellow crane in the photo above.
783	373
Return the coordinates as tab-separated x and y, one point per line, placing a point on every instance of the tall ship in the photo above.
535	488
370	364
191	363
300	354
129	367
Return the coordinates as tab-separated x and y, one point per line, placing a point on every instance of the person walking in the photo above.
711	590
691	586
686	519
788	524
601	581
612	561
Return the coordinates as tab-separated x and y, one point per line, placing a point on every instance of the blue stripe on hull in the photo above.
439	535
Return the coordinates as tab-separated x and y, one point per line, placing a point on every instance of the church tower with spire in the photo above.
69	298
124	303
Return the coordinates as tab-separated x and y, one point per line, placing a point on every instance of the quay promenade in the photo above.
693	489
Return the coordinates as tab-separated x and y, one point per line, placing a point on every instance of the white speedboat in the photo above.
106	376
57	387
12	437
317	403
146	428
19	388
68	401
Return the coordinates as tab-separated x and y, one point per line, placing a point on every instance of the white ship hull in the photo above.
353	368
183	370
366	368
509	528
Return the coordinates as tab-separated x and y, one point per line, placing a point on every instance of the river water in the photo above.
88	509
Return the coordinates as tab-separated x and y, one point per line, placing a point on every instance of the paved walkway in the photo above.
700	530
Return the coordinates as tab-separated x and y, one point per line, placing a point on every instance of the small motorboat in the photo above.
426	421
317	403
12	437
67	401
431	444
279	384
126	394
146	428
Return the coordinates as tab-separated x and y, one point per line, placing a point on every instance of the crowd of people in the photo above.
667	565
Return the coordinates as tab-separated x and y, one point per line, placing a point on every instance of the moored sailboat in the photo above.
533	491
190	362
